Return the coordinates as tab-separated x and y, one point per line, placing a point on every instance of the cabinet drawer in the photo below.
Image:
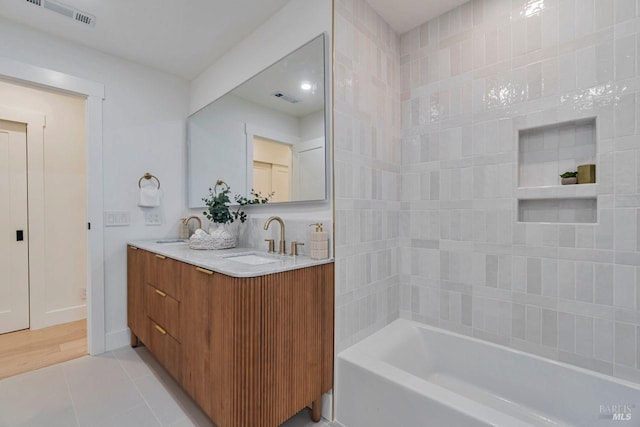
164	310
165	348
164	274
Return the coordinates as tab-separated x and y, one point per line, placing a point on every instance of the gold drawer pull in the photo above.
161	256
162	331
133	248
159	292
202	270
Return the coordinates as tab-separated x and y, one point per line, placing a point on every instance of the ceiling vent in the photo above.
286	97
68	11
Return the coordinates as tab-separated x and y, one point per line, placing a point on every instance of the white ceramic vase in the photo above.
223	236
569	181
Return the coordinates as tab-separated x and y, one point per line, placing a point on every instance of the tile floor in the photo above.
122	388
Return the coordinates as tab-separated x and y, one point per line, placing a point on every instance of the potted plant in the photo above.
219	213
569	178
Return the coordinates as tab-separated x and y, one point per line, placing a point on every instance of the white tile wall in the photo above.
426	165
367	170
565	291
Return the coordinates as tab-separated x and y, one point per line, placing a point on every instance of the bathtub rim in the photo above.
447	398
412	323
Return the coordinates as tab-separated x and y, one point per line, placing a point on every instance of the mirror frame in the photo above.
328	137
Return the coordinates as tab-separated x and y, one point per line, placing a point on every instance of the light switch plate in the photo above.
116	219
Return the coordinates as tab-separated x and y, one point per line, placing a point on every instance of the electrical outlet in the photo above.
83	293
152	218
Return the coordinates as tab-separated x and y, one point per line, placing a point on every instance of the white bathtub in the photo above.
409	374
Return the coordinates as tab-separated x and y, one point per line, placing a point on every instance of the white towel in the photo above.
201	233
149	197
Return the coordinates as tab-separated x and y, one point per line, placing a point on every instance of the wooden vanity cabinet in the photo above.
250	351
195	329
136	283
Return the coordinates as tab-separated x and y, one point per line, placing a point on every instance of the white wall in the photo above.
143	130
294	25
312	126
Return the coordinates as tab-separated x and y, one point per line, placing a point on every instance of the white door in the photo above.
309	167
262	177
14	249
280	183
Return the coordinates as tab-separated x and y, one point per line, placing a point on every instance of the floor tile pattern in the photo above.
122	388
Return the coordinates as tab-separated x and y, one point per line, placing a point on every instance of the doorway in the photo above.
34	76
44	230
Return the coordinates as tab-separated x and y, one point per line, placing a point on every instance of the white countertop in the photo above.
215	260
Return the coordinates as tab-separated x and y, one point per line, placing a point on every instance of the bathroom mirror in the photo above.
268	134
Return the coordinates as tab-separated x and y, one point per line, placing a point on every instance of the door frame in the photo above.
93	92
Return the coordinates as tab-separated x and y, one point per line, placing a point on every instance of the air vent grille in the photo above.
84	18
286	97
64	10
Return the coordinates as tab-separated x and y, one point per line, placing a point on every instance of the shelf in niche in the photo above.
576	191
546	152
558	211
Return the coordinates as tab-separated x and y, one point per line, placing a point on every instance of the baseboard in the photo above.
327	405
57	317
118	339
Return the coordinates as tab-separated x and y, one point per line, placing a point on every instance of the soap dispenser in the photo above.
183	229
319	242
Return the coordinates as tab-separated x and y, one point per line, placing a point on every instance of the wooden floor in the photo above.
29	350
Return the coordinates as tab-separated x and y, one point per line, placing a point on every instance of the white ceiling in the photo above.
182	37
404	15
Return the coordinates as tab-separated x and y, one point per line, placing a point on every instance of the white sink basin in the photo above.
252	259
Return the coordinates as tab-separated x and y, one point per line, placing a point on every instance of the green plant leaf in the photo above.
218	203
569	174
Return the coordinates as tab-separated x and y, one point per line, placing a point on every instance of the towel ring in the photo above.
148	176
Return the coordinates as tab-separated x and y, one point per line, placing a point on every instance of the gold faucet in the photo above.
187	220
281	245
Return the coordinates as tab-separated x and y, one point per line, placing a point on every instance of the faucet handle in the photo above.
272	245
294	248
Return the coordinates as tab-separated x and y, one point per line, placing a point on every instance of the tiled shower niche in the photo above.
572	211
546	152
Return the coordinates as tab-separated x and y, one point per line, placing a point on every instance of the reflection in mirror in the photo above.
268	134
